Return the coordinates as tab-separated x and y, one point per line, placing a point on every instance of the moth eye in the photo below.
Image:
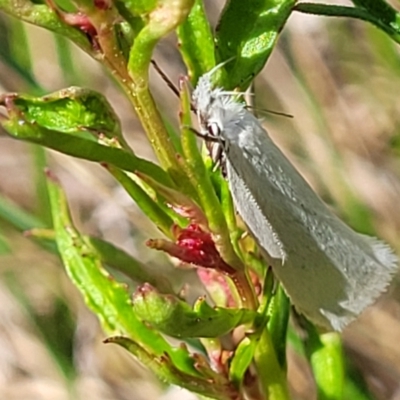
214	129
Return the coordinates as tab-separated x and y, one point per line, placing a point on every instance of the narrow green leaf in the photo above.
70	110
149	207
376	12
176	318
162	20
326	358
196	42
108	299
19	218
246	33
23	221
382	11
109	254
177	198
121	261
278	324
242	359
117	259
214	385
271	376
261	344
77	145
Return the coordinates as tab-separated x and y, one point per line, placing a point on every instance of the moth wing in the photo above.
331	272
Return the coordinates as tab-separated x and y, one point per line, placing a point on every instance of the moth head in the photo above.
214	106
213	128
206	96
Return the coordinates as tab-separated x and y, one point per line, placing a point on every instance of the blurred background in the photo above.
338	78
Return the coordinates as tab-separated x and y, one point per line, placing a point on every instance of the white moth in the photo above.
330	272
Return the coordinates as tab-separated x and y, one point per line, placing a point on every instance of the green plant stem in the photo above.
271	376
133	73
392	27
154	126
163	19
245	289
104	22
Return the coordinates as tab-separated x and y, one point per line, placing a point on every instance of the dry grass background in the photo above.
338	78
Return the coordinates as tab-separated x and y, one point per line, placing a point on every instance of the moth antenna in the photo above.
279	113
234	93
169	82
165	78
212	71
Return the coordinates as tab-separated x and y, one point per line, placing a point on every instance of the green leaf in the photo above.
71	110
246	33
78	144
108	253
121	261
176	318
271	375
108	299
115	258
377	12
19	218
196	42
326	358
150	208
22	220
382	11
267	352
242	359
278	323
42	15
184	199
212	384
